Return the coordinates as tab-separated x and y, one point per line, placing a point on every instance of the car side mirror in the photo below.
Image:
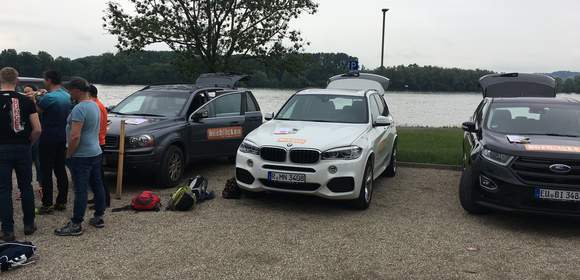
269	116
383	121
469	127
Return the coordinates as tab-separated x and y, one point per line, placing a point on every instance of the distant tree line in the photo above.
291	70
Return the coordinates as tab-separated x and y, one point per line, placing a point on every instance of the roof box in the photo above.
220	80
359	81
518	85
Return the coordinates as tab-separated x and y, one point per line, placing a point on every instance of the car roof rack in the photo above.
359	81
220	80
517	85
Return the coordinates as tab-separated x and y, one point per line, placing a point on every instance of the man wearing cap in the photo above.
83	158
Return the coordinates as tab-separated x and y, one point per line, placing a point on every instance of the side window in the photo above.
382	106
375	112
251	104
478	118
225	106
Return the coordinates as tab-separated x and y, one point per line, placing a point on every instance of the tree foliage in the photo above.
213	31
291	70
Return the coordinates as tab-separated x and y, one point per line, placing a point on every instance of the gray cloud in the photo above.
515	35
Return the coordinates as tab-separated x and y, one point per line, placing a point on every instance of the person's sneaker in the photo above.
97	222
29	229
60	207
71	229
44	210
8	237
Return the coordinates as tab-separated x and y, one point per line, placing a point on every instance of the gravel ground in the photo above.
415	229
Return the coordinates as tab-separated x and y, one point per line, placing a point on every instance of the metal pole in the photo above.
120	163
383	45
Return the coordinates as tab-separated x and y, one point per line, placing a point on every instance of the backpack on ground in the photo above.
181	200
198	187
16	254
231	190
145	201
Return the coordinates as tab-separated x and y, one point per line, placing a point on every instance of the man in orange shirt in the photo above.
102	133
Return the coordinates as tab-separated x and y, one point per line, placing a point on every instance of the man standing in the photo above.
83	158
19	128
94	92
55	107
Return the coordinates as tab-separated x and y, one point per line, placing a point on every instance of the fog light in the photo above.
332	169
487	184
250	163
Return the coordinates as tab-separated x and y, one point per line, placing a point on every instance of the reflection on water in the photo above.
410	109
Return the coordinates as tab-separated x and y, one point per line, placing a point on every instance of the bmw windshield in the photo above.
535	119
153	104
325	108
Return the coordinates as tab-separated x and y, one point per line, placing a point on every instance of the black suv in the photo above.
170	125
521	150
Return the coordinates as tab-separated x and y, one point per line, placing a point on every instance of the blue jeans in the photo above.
86	173
15	158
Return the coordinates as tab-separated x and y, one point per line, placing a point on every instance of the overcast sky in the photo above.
501	35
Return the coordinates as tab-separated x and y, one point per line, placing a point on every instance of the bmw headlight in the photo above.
495	157
249	147
142	141
345	153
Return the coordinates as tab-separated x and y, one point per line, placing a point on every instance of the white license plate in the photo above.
286	177
557	195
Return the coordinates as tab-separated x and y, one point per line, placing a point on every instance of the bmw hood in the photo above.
553	147
314	135
136	125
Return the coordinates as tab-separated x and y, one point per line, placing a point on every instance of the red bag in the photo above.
146	201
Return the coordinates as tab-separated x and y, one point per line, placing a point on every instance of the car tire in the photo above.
172	167
391	170
467	196
366	191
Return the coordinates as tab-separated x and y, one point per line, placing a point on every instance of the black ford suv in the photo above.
169	125
521	150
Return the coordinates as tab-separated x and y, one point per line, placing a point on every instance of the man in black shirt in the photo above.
19	128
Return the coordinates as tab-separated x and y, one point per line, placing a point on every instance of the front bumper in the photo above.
139	159
345	184
514	195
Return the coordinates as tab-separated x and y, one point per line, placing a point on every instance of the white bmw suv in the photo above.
331	143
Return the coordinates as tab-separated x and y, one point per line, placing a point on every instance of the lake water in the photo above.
409	108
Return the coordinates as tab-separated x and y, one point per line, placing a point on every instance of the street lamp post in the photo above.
383	45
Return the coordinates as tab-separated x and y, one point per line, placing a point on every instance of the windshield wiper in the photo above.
553	134
118	113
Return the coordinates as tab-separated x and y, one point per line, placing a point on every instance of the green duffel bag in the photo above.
181	200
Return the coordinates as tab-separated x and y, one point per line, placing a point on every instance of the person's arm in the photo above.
75	138
36	130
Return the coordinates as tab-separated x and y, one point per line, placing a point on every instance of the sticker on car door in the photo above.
224	133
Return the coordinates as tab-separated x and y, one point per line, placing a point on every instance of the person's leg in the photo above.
36	162
81	171
46	153
6	210
23	167
99	192
61	176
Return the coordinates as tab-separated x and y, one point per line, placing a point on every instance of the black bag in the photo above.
16	254
231	190
181	200
198	187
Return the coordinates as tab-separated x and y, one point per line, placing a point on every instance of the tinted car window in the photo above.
252	106
325	108
168	104
375	111
225	106
541	119
381	104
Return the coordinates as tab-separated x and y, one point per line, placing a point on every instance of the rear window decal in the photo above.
222	133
